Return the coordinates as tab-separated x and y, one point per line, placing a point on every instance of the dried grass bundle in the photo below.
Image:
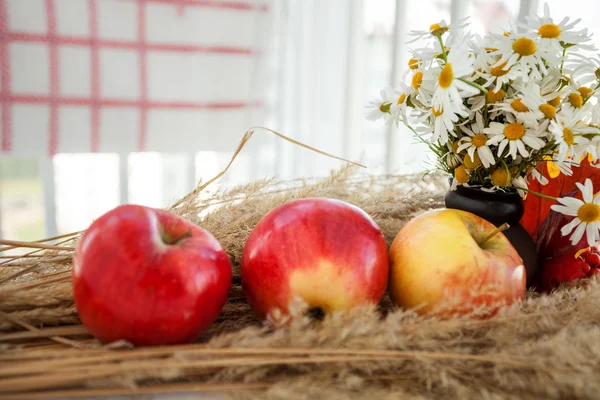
549	346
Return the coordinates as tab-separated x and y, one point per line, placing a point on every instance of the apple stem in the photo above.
173	240
496	231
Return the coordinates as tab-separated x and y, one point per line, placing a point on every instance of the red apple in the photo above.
448	262
326	252
149	277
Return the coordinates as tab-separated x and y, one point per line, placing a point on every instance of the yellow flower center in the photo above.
446	77
555	102
437	30
461	174
490	49
589	212
548	110
417	79
499	70
549	31
472	163
514	131
479	140
524	47
385	107
455	147
401	98
413	63
568	136
494	97
437	113
500	177
506	34
585	91
576	100
518	105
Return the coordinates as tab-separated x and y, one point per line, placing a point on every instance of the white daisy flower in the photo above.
550	87
423	57
453	160
416	61
568	132
595	124
551	82
476	140
575	99
486	67
529	106
586	69
450	89
571	145
526	114
422	82
460	176
586	213
555	167
595	115
590	150
535	174
577	94
499	179
441	121
552	34
498	74
531	97
437	29
521	52
514	135
398	107
595	156
428	84
380	108
476	103
520	184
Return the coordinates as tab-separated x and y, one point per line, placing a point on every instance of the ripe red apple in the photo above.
149	277
326	252
448	262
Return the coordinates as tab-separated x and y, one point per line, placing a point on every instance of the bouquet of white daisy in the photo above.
493	109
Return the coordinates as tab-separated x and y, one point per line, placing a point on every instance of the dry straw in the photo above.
546	347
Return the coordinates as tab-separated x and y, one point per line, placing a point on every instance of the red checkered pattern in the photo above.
56	79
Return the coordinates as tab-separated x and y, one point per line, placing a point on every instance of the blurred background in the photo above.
107	102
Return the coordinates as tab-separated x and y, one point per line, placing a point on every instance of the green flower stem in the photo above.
486	116
428	144
444	56
592	94
475	85
505	166
537	194
562	62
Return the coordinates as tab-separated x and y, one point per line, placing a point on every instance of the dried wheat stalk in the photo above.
549	346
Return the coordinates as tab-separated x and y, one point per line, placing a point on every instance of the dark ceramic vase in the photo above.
498	208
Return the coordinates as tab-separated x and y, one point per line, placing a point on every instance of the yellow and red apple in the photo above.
448	261
325	252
